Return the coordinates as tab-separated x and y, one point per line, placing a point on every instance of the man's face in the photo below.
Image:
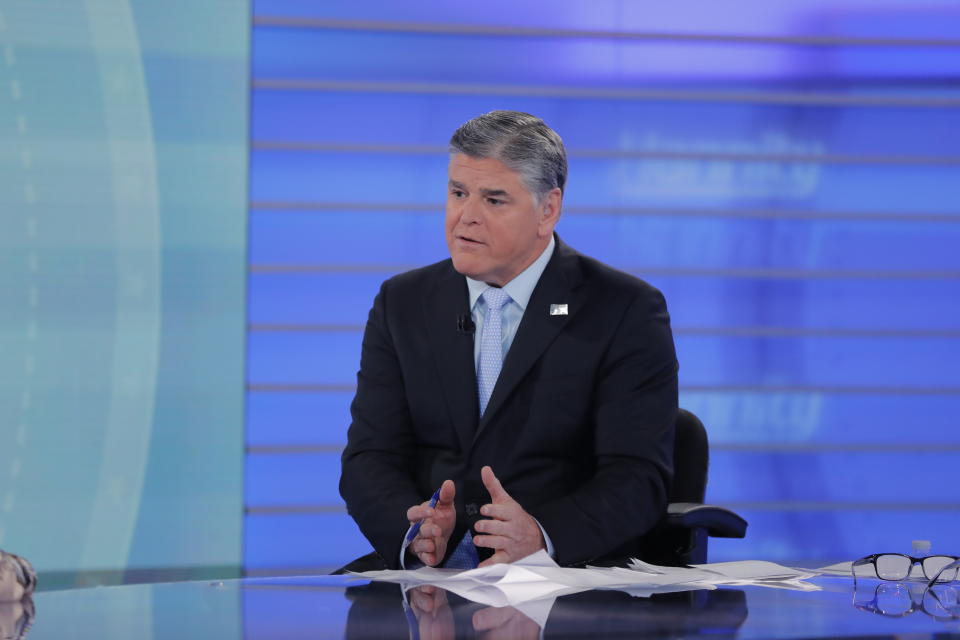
495	229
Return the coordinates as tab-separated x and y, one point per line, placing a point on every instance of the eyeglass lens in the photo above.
933	564
893	567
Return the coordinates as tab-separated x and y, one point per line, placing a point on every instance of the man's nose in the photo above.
471	213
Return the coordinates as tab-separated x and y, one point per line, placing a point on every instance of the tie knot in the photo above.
495	298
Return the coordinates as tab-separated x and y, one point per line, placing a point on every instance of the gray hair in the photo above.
522	142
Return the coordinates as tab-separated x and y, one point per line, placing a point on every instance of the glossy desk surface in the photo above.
340	607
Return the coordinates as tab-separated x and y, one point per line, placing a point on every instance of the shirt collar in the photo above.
520	288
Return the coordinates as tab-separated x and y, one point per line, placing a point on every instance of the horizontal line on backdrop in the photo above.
771	505
747	332
272	387
672	95
800	505
296	449
732	447
440	28
806	158
295	509
760	214
752	274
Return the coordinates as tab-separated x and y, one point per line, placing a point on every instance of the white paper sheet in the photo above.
538	579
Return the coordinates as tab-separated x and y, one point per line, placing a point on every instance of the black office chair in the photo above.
681	536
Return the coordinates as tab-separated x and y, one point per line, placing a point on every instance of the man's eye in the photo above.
494	201
456	193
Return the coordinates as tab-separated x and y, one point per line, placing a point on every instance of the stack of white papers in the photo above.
747	572
538	578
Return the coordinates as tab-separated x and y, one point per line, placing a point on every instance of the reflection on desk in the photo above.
899	599
338	607
379	610
16	618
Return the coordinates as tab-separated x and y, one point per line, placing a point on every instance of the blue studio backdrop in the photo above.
787	173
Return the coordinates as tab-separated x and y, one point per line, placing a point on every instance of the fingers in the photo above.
430	529
423	545
448	492
501	511
493	542
419	512
429	559
422	511
497	558
496	490
496	527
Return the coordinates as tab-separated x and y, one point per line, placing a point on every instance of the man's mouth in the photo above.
470	240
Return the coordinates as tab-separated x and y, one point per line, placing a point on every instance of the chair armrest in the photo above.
719	522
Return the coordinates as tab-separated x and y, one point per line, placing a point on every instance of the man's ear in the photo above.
550	211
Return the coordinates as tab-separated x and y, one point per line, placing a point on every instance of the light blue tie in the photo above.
491	344
491	359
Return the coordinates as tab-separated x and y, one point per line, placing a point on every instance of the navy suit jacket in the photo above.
579	427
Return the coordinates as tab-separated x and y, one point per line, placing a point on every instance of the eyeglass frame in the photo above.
872	559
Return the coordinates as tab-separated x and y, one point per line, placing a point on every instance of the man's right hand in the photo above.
430	545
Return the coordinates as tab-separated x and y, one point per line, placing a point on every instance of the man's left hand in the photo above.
511	532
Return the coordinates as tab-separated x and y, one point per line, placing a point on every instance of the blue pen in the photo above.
415	529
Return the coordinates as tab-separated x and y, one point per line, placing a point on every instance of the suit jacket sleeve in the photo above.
377	482
634	413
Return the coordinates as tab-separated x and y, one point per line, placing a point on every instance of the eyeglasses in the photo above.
897	566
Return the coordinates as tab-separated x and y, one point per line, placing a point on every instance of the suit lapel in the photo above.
453	352
558	285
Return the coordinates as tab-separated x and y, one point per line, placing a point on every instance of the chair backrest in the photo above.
672	543
691	457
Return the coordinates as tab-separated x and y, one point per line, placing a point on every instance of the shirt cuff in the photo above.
403	547
546	539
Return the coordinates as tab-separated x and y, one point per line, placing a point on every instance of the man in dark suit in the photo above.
536	387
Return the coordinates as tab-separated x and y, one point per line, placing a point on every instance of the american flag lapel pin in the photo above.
558	309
